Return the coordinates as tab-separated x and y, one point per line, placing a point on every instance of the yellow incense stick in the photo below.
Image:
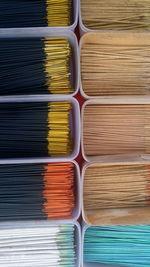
59	138
58	12
57	65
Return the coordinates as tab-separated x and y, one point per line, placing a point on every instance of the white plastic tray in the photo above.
32	224
77	209
82	28
117	216
71	27
74	124
109	37
81	87
107	101
70	36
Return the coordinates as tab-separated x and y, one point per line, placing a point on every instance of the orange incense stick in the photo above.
37	191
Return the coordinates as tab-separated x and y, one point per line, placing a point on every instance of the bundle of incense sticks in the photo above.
37	191
116	186
118	245
35	129
116	129
35	13
118	68
35	66
116	15
38	246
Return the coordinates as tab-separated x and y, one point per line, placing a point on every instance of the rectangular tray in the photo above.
71	27
69	35
77	209
74	124
112	38
107	101
117	216
32	224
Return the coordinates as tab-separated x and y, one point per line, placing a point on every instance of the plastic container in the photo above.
71	27
116	39
107	101
75	15
74	124
33	224
117	216
70	36
77	209
82	41
82	27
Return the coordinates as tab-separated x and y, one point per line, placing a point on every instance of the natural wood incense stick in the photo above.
118	245
35	129
35	66
114	65
35	13
116	15
116	129
37	191
38	246
116	186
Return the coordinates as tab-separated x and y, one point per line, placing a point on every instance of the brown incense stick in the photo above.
116	186
116	129
116	15
116	192
115	69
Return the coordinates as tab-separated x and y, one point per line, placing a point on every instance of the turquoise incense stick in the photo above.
118	245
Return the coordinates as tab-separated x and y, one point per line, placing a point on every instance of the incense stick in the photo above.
35	13
35	66
116	186
38	246
118	245
37	191
116	129
35	129
116	15
115	69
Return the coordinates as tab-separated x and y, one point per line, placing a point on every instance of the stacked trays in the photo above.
42	190
114	61
40	134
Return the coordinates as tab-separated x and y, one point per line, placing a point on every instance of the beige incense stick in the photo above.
116	129
116	14
117	194
115	69
116	186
